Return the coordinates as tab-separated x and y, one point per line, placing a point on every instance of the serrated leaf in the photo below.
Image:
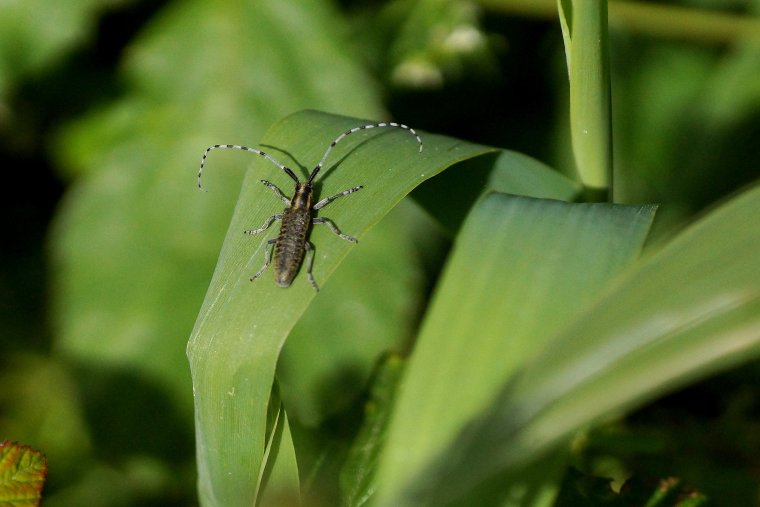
22	475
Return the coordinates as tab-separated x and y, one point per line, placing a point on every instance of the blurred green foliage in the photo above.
105	108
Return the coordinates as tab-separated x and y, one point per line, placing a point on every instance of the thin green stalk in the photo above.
584	29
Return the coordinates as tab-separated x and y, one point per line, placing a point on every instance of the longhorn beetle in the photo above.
292	243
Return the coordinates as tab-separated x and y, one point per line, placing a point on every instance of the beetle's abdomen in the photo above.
289	248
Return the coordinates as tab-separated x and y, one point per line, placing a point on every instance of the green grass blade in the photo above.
584	28
357	476
519	174
688	311
450	196
281	479
371	305
522	268
242	326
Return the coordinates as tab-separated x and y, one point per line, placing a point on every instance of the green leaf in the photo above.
357	479
371	305
234	347
521	270
22	475
134	243
450	196
519	174
687	311
280	476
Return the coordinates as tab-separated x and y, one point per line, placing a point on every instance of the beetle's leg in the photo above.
266	225
324	202
329	223
267	258
309	248
276	191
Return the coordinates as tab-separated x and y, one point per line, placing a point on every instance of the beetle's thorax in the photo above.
302	196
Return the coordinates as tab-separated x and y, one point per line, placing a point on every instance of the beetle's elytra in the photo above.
292	244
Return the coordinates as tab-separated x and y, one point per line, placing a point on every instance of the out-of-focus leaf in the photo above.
436	42
36	391
580	489
135	241
685	115
33	33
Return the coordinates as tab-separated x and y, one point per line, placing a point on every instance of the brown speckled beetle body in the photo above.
292	244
